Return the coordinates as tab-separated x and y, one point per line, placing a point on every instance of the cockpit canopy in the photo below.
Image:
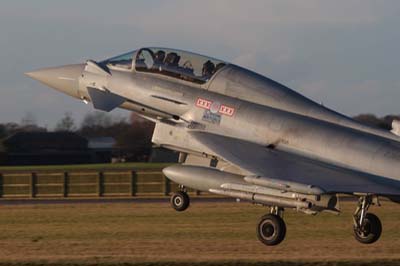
120	61
173	63
178	64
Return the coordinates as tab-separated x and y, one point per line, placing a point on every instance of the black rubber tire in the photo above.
271	230
180	201
370	231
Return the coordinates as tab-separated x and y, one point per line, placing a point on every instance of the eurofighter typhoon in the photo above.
243	135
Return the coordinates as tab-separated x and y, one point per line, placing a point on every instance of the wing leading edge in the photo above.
287	167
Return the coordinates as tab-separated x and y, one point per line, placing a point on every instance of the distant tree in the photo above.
374	121
97	119
369	120
98	124
28	119
28	124
3	131
135	118
12	128
66	124
133	137
387	121
8	129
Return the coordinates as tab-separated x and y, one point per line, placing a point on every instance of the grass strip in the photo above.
380	262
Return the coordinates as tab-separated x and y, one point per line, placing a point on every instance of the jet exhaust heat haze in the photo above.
243	135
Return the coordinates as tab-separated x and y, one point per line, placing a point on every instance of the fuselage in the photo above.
327	139
238	103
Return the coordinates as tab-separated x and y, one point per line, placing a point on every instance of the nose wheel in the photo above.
180	201
271	230
367	226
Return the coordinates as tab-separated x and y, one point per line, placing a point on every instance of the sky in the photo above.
342	53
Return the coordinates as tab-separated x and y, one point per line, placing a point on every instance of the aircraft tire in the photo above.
370	231
271	230
180	201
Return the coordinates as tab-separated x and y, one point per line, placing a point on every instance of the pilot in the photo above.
172	59
159	60
208	69
159	57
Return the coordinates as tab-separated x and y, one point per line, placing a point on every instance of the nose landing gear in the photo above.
180	200
367	226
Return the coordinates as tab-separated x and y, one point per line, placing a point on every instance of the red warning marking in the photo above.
223	109
226	110
203	103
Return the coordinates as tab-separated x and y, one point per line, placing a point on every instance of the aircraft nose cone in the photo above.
64	78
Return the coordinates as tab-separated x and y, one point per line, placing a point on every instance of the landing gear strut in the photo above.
180	200
367	226
271	229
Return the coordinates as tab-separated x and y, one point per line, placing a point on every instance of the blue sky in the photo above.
344	53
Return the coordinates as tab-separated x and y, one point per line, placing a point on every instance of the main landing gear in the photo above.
367	226
271	229
180	200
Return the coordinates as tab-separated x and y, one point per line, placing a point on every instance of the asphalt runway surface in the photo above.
108	200
137	200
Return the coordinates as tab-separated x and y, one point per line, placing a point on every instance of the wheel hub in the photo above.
364	230
178	201
268	230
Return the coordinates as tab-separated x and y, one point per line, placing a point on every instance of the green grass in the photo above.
205	234
115	166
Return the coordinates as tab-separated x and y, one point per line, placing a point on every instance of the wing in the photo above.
289	168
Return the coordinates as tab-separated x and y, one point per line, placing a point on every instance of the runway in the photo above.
108	201
211	232
137	200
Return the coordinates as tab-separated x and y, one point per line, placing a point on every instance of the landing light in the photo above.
84	100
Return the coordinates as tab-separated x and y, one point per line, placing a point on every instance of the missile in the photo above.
269	191
288	186
264	199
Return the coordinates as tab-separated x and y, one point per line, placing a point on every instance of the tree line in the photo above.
384	122
132	134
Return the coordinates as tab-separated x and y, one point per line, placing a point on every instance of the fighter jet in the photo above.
242	135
